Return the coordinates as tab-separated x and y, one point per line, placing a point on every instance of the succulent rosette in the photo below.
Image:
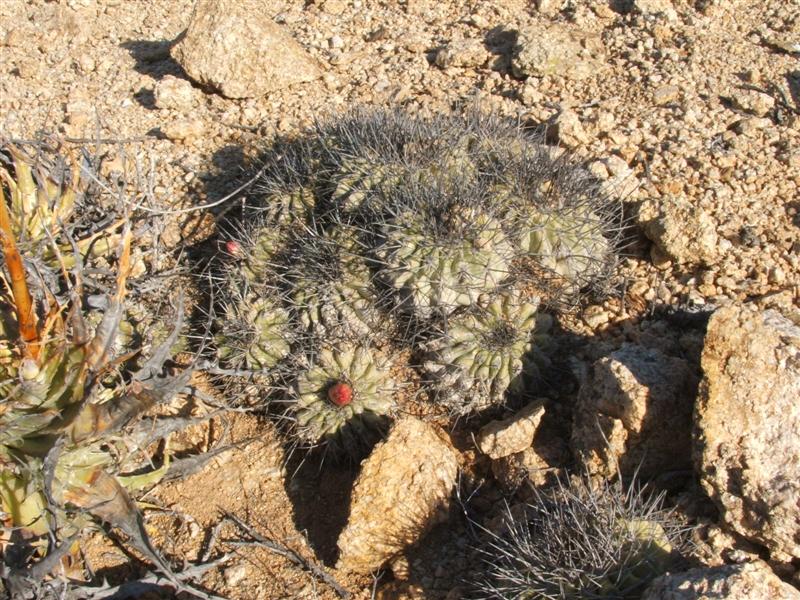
482	353
347	391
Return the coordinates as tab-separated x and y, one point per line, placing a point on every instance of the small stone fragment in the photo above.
469	53
747	448
184	130
234	47
666	94
568	129
753	102
635	412
684	233
174	93
657	8
511	435
748	581
404	487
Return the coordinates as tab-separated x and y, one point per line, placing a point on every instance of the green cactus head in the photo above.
344	397
481	354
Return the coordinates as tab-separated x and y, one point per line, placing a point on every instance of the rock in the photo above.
235	48
549	7
666	94
747	446
635	412
469	53
174	93
184	130
657	8
403	489
541	464
748	581
567	129
683	232
753	102
511	435
554	50
620	179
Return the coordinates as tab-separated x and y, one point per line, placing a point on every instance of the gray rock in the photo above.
748	581
635	411
235	48
555	50
683	232
747	446
511	435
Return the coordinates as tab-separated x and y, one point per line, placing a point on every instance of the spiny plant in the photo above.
580	540
71	450
411	232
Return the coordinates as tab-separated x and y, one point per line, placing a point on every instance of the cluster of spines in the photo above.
580	539
387	226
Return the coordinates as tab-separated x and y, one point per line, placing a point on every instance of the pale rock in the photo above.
174	93
511	435
666	94
684	233
184	129
567	128
549	7
555	50
634	411
747	421
753	102
469	53
403	489
236	574
234	47
747	581
334	7
657	8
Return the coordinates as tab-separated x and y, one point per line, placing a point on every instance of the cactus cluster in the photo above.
383	231
580	540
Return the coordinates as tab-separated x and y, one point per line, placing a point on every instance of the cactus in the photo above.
581	540
330	285
424	224
346	393
439	254
482	353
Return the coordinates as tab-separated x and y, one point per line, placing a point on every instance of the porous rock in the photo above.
747	445
634	411
403	489
748	581
683	232
514	434
235	48
554	50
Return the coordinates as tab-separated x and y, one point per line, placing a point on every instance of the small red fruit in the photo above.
233	248
340	394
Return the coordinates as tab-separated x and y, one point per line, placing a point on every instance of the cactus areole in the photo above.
340	394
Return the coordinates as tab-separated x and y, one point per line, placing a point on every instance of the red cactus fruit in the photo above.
340	394
233	248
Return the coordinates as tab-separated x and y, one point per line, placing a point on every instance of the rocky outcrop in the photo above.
747	445
403	487
748	581
233	47
635	412
556	50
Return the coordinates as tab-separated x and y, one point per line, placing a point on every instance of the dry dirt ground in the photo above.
703	103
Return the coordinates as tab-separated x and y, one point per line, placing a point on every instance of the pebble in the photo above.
184	129
174	93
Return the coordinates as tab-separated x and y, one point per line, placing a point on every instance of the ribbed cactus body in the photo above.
481	354
351	371
434	275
